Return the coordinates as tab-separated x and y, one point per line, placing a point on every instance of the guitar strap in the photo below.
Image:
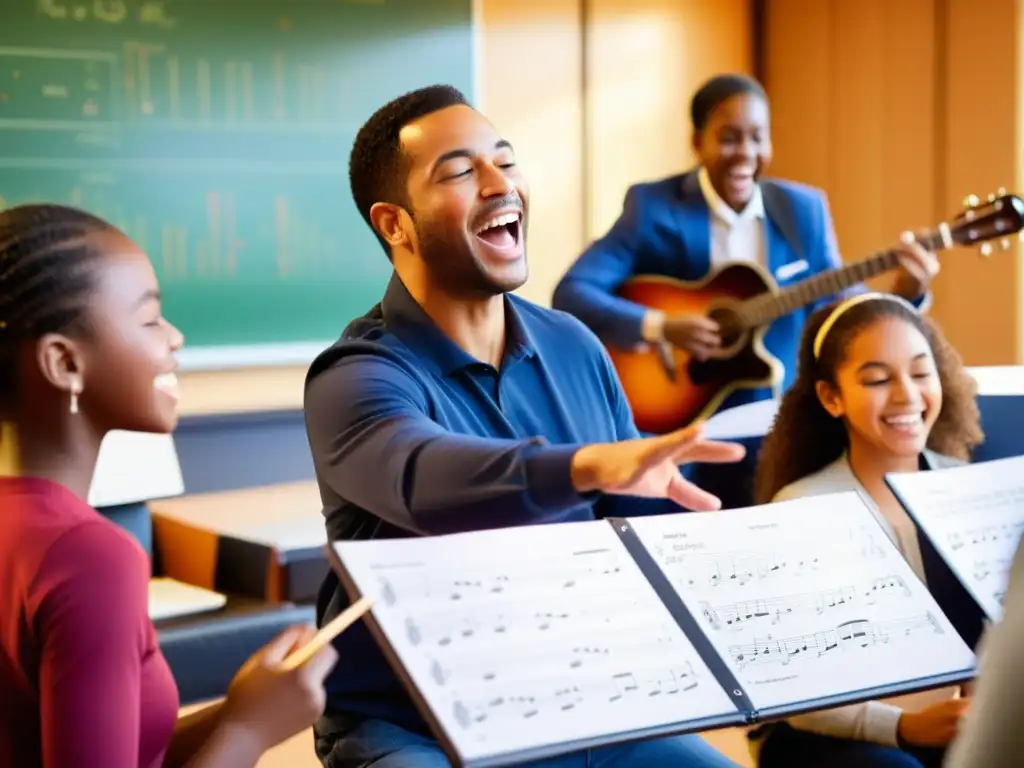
778	205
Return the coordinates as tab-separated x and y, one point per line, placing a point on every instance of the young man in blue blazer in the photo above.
722	212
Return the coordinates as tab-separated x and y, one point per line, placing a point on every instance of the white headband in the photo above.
853	301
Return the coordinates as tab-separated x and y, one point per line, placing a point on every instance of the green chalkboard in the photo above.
216	134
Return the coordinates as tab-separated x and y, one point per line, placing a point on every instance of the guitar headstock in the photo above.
1000	216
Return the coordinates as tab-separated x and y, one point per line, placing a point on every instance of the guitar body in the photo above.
661	405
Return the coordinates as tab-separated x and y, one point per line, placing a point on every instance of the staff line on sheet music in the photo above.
614	647
944	504
718	569
850	635
553	696
992	566
985	535
779	607
446	626
468	586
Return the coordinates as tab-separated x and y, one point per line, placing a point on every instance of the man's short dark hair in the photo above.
718	89
376	169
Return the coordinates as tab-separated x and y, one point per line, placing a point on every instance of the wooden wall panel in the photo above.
851	111
898	110
644	60
796	72
978	300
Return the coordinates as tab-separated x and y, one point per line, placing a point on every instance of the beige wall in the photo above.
899	110
643	60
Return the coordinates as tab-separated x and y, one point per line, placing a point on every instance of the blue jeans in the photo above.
788	747
379	744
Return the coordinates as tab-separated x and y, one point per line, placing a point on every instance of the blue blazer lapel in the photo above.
694	221
782	259
783	240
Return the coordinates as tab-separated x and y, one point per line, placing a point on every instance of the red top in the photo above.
82	680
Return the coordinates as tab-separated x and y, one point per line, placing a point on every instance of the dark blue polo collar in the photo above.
406	319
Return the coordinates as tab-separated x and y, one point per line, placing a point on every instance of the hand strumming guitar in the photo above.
650	467
694	334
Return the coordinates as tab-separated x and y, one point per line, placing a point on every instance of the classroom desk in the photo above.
263	548
265	542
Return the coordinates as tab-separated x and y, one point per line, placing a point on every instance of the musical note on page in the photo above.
523	618
974	517
531	701
557	631
822	602
776	610
848	636
737	568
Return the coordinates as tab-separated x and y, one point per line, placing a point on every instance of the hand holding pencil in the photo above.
279	691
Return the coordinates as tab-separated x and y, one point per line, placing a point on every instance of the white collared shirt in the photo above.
734	236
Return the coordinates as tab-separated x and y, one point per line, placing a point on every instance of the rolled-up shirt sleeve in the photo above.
375	445
874	721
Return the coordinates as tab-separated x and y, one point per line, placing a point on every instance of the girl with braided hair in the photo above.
84	349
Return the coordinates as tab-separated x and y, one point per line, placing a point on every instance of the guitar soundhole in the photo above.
703	373
730	326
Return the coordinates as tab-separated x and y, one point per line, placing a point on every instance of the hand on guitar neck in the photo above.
918	267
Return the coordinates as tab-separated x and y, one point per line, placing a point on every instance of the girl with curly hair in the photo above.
878	390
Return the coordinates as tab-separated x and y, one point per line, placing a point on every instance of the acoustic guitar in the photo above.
668	390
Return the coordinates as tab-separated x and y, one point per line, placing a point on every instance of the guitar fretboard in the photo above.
768	307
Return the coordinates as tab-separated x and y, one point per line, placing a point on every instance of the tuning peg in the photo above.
1001	191
970	201
986	249
991	197
1005	243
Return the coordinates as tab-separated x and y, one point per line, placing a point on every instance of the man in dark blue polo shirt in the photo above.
453	406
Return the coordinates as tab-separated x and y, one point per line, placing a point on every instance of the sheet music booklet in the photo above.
973	515
525	643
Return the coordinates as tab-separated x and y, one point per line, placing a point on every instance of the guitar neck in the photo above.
768	307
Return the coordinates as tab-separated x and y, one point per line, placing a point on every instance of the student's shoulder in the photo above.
833	478
55	527
91	560
667	186
942	461
798	191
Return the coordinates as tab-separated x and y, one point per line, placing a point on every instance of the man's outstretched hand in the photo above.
649	467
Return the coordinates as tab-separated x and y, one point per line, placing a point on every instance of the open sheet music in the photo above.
526	638
525	643
974	517
804	600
